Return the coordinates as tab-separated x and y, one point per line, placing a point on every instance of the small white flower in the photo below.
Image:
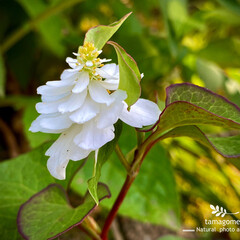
83	106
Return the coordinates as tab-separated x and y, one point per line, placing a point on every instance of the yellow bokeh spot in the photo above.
87	23
197	80
194	42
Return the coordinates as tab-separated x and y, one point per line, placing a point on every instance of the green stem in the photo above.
140	137
122	158
26	28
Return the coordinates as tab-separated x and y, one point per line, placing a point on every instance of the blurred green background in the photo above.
172	41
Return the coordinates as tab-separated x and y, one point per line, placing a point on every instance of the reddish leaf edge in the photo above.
174	134
167	103
114	44
20	230
202	88
177	102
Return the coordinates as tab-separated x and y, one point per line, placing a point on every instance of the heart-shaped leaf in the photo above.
20	178
101	34
48	213
129	74
188	104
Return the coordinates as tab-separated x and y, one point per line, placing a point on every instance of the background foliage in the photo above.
173	41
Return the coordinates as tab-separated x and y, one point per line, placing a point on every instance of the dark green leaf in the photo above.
232	5
20	178
48	214
129	75
101	34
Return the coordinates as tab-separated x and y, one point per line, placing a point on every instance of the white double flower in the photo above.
83	106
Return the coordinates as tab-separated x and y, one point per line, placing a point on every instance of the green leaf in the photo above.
48	214
224	52
129	74
232	5
103	154
2	76
228	147
211	74
188	104
179	21
145	201
50	28
171	35
20	178
101	34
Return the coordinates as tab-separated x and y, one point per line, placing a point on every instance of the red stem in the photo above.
128	182
140	154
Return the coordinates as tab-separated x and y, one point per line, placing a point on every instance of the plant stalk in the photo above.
140	154
122	158
128	182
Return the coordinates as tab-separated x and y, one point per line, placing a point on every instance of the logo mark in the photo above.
220	211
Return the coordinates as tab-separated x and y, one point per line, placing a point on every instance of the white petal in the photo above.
92	138
88	111
110	84
59	153
59	83
74	102
48	107
78	153
98	93
105	60
57	167
55	121
76	54
82	82
62	150
49	98
36	127
119	95
71	62
142	113
109	71
53	91
70	73
109	115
